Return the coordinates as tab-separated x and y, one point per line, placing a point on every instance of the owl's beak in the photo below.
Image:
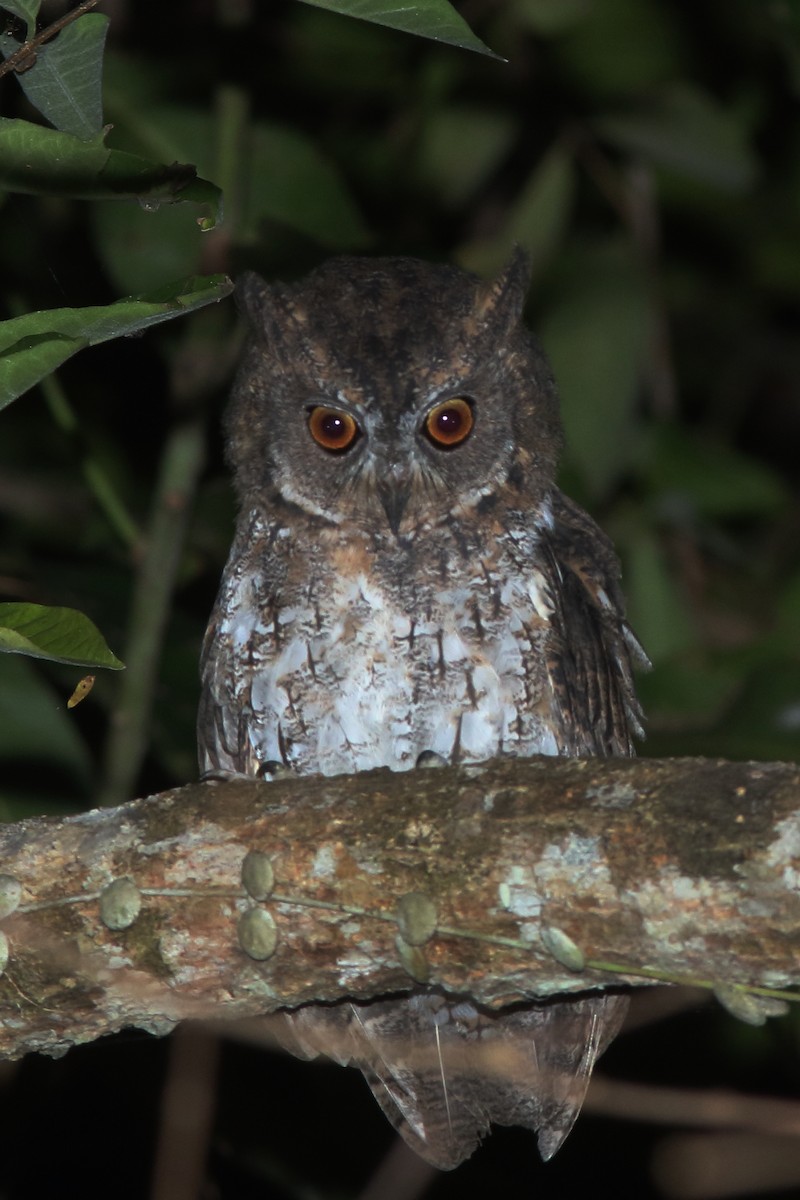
394	490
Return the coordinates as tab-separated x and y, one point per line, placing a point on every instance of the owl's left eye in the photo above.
449	423
332	429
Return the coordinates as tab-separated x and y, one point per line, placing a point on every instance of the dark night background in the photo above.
647	154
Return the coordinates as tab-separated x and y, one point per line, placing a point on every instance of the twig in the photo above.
127	743
24	58
95	475
711	1109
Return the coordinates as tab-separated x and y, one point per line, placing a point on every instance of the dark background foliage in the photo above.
647	154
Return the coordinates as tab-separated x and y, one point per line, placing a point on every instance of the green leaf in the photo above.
563	949
36	160
688	131
657	610
619	48
716	480
40	161
536	221
461	146
58	634
26	10
544	206
435	19
141	249
765	722
65	82
31	358
33	345
284	177
35	725
691	689
595	333
550	17
288	180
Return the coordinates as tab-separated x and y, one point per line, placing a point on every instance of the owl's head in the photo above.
392	394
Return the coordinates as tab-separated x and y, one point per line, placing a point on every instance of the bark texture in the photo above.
687	866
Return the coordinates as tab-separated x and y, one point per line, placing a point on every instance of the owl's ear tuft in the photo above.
252	297
270	309
499	302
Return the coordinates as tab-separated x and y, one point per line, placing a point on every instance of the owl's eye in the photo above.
332	429
449	423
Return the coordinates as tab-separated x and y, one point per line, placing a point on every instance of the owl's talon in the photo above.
220	775
429	758
273	770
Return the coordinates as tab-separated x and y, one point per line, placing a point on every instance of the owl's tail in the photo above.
443	1072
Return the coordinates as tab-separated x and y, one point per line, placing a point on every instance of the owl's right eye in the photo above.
332	429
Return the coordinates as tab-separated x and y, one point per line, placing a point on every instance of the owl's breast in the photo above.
353	663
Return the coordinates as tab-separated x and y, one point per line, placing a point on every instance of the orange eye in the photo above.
332	429
450	422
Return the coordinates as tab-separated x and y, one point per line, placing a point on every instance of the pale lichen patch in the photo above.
588	868
523	898
324	863
784	853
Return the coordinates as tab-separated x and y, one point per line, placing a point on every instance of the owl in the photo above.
407	584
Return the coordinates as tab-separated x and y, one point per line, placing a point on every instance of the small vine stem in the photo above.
390	918
689	980
24	58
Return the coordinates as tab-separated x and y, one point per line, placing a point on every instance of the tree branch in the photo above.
138	916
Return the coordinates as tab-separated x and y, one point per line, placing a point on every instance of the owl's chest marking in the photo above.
339	659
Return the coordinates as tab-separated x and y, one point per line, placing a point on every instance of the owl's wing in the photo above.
225	718
219	742
592	649
223	739
443	1071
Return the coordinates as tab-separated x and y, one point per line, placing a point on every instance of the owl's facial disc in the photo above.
445	426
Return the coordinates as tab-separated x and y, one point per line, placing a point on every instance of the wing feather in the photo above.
592	648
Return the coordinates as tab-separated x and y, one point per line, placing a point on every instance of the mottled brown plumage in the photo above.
406	577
